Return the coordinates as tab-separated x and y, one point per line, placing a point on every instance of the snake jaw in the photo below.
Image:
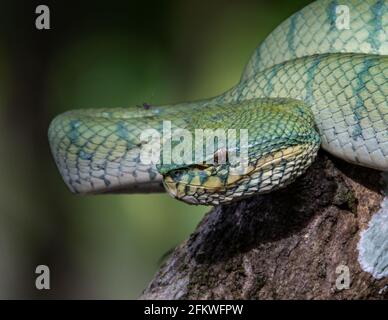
177	191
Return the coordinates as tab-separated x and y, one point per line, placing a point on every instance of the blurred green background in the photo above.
104	54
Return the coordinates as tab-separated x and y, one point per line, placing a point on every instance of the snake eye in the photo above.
221	156
176	174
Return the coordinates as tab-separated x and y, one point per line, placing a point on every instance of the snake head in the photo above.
281	144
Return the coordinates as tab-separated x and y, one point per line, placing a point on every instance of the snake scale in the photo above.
318	80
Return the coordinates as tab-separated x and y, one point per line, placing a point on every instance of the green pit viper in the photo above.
318	80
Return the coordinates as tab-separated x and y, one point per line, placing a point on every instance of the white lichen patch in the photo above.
373	245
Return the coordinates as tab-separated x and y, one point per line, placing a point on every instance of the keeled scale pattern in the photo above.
317	29
348	95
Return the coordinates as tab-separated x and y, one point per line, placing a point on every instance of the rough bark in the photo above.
284	245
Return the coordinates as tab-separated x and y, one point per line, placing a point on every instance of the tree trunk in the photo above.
284	245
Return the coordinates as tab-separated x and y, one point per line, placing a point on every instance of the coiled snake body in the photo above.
319	79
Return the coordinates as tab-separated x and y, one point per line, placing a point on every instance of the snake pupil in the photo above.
221	156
